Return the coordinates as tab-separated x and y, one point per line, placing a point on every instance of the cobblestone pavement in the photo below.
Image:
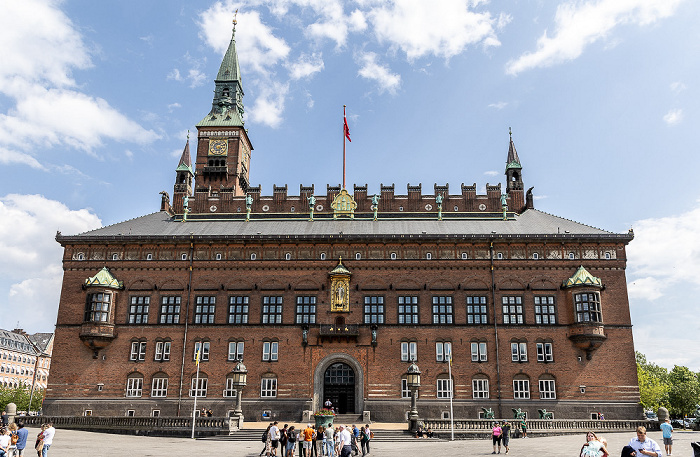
71	443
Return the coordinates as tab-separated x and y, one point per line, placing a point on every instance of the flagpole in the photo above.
344	136
452	419
196	387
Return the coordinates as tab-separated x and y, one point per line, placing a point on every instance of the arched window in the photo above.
268	386
159	385
547	388
521	387
480	387
134	385
199	386
444	387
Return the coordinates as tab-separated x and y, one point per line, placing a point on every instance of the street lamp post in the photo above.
413	382
240	376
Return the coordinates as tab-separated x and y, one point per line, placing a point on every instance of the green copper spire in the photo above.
185	161
227	106
513	160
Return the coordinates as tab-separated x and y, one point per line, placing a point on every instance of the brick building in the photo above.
333	294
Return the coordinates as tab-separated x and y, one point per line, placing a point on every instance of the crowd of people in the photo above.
324	441
13	439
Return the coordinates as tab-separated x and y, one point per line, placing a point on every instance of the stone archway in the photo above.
319	380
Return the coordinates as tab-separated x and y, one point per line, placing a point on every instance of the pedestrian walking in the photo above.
496	432
505	435
667	434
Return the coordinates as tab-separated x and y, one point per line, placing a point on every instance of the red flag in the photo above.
346	129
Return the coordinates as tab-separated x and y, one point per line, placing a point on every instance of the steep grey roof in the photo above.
530	224
41	340
15	342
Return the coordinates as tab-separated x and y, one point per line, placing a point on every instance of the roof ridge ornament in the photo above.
582	278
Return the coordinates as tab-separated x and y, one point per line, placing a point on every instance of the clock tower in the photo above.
223	147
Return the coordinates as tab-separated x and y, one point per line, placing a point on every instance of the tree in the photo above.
653	384
684	391
20	397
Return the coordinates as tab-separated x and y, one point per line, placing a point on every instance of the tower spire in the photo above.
514	177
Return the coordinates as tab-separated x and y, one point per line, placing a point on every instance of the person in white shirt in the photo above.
644	445
48	439
274	438
345	442
4	442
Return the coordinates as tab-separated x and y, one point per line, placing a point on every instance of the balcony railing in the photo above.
339	330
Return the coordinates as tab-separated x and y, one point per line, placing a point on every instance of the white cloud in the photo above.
677	87
370	69
269	105
41	48
196	77
674	116
174	75
491	173
173	106
443	28
577	25
306	66
499	105
31	272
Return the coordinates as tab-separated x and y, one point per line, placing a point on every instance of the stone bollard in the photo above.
11	410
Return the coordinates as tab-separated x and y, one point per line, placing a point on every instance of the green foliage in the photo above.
653	384
684	391
20	397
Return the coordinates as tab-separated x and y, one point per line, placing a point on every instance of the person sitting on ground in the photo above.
429	433
419	432
593	447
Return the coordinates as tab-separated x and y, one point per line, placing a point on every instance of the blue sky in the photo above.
96	99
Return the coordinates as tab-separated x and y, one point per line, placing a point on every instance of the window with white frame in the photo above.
235	350
443	351
159	387
162	351
203	348
479	351
138	351
521	389
409	351
199	386
270	351
134	386
444	388
268	387
230	390
480	388
405	391
544	352
547	389
518	351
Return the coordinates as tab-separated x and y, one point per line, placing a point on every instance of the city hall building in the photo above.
332	294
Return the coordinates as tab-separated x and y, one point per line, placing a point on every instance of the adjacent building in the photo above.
333	293
25	360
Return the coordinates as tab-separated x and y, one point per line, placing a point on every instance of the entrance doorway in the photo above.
339	387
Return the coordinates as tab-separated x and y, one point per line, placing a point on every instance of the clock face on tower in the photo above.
218	147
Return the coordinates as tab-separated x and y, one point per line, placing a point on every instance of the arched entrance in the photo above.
339	387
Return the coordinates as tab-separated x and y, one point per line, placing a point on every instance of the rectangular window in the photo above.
544	352
138	310
159	387
270	351
545	312
205	307
97	308
444	388
518	352
443	351
170	310
480	388
521	389
235	350
237	310
134	387
409	351
374	309
442	309
272	310
138	351
162	351
408	309
588	307
476	310
512	309
268	387
204	347
199	389
547	390
479	352
230	390
306	310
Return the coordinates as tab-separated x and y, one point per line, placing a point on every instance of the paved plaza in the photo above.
71	443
